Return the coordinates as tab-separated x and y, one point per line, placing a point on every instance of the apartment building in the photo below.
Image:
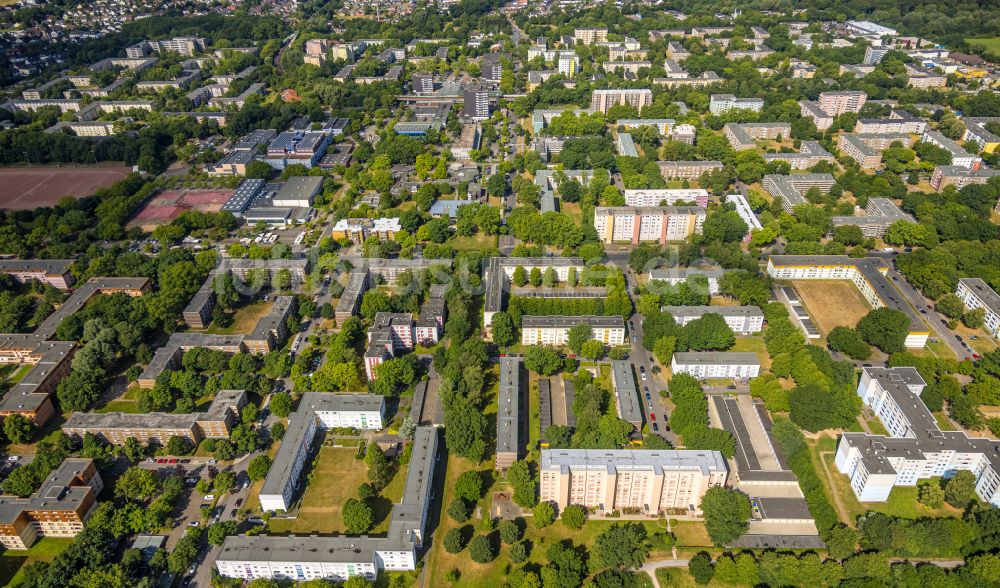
391	333
879	214
687	170
642	224
682	78
924	79
867	149
186	46
666	197
867	273
959	156
745	135
675	276
631	67
639	480
975	293
590	36
662	125
810	153
977	133
677	52
716	364
791	189
476	104
429	327
720	103
954	175
602	100
874	54
317	411
54	272
339	558
820	118
357	230
915	448
554	330
743	320
509	413
898	122
59	508
158	427
837	103
270	331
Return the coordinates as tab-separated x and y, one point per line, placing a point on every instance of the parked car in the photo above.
656	427
209	497
652	416
193	524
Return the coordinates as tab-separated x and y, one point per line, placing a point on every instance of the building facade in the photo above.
705	365
638	224
639	480
975	293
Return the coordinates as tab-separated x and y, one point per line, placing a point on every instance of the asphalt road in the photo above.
934	320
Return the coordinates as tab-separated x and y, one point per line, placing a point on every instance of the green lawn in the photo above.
19	374
127	402
675	577
244	319
12	562
943	423
754	345
991	44
475	242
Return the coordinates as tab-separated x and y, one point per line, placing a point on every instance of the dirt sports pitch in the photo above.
26	188
832	303
166	206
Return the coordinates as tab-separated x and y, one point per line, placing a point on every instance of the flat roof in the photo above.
982	290
716	358
626	393
555	322
612	460
720	310
508	405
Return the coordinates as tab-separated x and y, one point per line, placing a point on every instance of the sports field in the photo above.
27	188
832	303
168	205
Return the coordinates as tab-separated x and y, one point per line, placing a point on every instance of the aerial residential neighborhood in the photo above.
484	293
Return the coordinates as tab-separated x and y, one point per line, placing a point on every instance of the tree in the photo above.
459	510
137	484
469	486
510	531
520	478
592	349
218	532
708	333
849	342
700	567
453	541
380	470
543	360
930	494
502	328
727	514
578	335
535	277
281	404
950	305
519	277
885	328
224	481
622	546
544	513
974	318
518	553
960	489
574	516
258	467
18	428
480	550
358	516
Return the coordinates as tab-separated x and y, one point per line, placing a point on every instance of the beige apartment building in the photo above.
641	480
836	103
590	36
602	100
687	170
58	509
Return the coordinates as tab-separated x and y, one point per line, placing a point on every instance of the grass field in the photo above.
832	303
335	478
475	242
244	320
991	44
754	345
676	577
12	562
127	402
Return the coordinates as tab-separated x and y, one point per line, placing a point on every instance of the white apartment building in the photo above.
283	478
675	276
743	320
500	270
867	273
879	214
356	411
716	364
959	156
554	330
976	293
916	448
568	64
666	197
602	100
639	224
650	481
720	103
746	213
339	558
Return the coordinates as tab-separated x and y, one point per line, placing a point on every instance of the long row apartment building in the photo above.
652	224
